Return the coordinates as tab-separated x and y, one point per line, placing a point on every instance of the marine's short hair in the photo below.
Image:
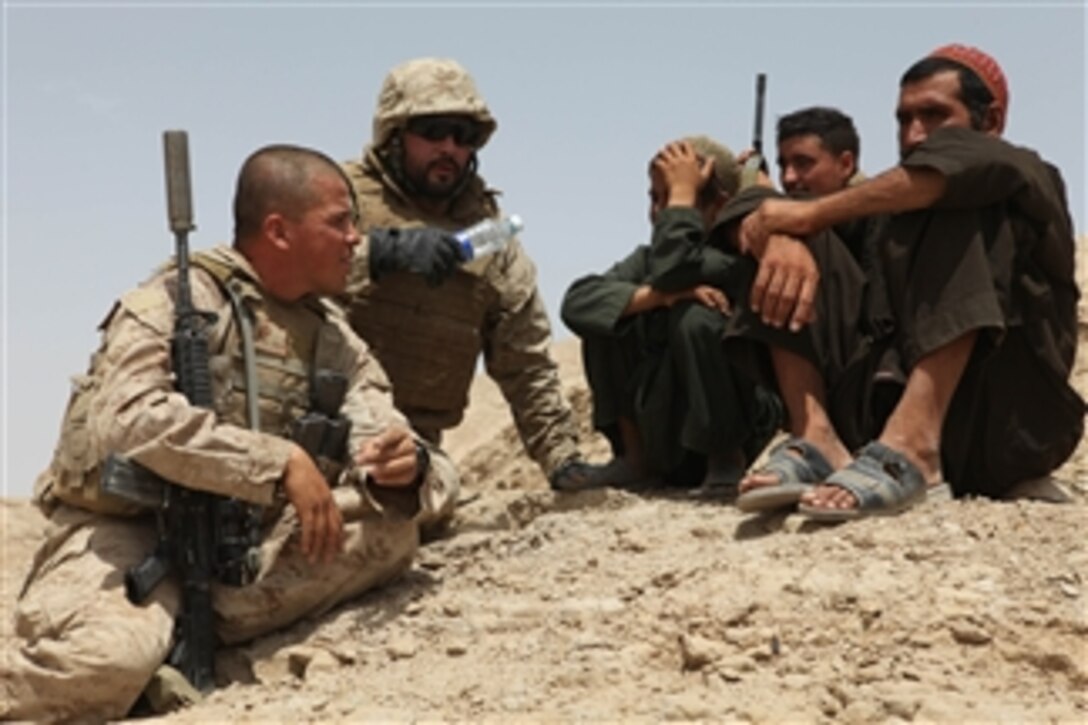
278	178
833	127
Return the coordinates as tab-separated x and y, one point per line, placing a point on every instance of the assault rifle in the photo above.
756	162
203	537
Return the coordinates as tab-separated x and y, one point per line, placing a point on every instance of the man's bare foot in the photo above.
806	461
826	496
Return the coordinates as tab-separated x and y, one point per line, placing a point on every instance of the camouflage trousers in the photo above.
82	650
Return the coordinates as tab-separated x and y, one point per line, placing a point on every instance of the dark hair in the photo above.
277	178
833	127
973	92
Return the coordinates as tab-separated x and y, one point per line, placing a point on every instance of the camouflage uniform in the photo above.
82	649
429	338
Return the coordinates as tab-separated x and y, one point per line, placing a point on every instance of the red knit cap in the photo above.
985	67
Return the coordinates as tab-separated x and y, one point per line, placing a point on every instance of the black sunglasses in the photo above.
465	131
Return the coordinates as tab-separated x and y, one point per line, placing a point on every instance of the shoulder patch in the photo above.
150	305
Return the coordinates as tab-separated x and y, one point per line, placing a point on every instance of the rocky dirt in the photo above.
609	605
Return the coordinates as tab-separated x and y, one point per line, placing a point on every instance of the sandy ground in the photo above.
666	606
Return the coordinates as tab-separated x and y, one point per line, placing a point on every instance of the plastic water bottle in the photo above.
489	235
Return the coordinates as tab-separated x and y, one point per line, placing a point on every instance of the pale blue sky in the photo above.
584	95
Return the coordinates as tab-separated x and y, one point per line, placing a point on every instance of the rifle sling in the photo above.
249	355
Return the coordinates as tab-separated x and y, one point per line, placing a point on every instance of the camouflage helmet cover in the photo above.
427	86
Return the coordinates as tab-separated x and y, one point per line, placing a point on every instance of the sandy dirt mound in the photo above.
609	605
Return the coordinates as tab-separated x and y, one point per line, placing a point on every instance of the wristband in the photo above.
423	464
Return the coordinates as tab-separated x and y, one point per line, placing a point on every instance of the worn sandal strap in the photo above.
882	479
810	466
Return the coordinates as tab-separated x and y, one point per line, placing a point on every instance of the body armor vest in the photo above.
427	339
289	340
284	338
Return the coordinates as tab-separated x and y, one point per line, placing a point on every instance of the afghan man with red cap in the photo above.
970	393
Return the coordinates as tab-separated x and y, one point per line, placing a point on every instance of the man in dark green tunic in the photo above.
663	392
978	262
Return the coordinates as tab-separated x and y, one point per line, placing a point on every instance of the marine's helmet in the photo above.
428	86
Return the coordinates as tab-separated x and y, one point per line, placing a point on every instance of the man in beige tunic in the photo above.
427	316
82	648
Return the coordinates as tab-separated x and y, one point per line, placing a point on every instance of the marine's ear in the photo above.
274	229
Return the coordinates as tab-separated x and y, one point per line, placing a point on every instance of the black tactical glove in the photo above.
431	252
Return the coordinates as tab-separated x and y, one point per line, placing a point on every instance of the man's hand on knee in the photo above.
785	286
319	517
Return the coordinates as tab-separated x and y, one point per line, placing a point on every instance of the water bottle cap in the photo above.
468	252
